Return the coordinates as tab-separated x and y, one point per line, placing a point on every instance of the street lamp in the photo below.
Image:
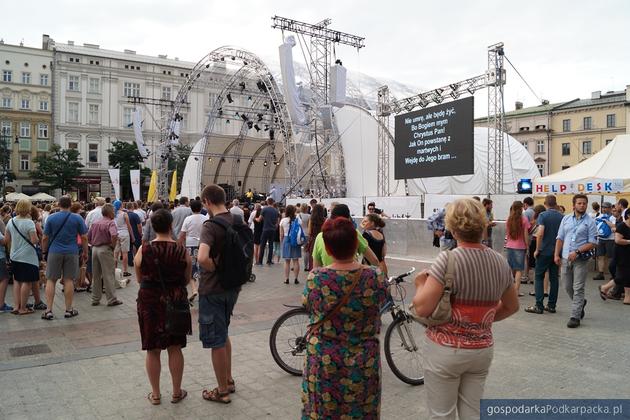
5	156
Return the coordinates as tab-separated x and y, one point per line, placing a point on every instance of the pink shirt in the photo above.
102	231
520	242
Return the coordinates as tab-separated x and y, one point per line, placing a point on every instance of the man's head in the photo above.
595	206
213	198
487	203
528	202
108	211
580	203
550	202
371	207
622	204
161	221
195	206
183	201
606	207
235	202
270	201
99	201
313	202
65	202
340	210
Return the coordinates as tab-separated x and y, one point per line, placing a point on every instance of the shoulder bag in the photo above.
37	250
52	239
314	328
443	311
178	319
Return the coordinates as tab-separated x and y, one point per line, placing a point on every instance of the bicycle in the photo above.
288	338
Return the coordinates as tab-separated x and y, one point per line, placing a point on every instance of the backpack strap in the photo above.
449	277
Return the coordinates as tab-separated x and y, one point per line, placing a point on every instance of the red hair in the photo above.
340	238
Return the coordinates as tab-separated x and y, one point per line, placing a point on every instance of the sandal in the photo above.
216	396
231	386
71	313
177	398
48	316
601	293
534	309
27	312
154	400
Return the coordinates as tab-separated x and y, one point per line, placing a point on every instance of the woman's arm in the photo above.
428	293
618	239
137	262
508	305
128	225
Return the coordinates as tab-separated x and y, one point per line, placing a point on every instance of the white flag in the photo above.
134	174
114	175
137	130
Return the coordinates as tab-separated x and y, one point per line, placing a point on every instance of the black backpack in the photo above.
235	265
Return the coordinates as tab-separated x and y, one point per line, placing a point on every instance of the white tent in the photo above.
42	197
605	172
17	197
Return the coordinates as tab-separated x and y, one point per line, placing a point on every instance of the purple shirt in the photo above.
102	231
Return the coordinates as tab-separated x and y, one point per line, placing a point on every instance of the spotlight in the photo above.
220	111
266	127
233	58
222	160
242	86
265	163
227	121
229	98
251	161
238	160
207	65
244	63
250	124
196	158
249	98
244	117
237	114
257	127
210	159
266	106
271	134
260	117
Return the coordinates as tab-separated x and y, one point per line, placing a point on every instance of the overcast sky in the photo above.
564	49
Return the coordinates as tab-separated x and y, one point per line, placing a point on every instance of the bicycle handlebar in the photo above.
399	278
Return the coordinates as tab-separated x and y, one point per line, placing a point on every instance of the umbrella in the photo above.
16	197
43	197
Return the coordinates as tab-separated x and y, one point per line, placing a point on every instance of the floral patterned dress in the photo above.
342	372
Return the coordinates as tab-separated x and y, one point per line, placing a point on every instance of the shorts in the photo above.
606	248
4	272
66	265
123	244
24	272
515	258
215	311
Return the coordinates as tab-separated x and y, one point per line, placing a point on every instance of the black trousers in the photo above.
266	236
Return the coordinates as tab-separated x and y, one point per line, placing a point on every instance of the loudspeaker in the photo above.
240	183
337	92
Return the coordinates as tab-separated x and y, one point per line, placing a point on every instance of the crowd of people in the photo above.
176	251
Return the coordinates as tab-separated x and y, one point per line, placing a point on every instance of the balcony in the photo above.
93	165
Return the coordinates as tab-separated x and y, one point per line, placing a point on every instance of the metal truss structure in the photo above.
326	169
493	79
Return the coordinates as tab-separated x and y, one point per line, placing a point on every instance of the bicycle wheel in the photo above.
287	340
402	350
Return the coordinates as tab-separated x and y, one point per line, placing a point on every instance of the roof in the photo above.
606	98
532	110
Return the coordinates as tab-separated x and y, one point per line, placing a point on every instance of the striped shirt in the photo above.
481	277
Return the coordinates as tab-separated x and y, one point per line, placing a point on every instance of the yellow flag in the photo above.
173	193
153	197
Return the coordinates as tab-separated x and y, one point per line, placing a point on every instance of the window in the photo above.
93	114
73	83
127	117
73	145
73	112
43	105
608	141
42	145
540	146
7	76
5	128
24	145
42	131
25	104
43	79
93	153
524	143
25	129
588	123
566	149
566	125
26	78
610	120
95	85
131	89
541	168
24	162
6	102
166	93
586	147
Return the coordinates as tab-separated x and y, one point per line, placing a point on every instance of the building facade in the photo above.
25	112
582	127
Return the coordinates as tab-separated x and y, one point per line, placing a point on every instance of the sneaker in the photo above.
6	308
296	281
126	274
599	276
583	313
573	323
550	310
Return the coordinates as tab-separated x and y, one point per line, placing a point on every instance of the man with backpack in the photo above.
225	256
605	239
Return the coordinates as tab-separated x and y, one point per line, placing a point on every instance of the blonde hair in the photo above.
23	208
466	218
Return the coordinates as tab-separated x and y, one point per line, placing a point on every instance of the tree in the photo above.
60	168
125	156
180	157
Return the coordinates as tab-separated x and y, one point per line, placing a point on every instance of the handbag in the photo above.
314	328
443	311
178	319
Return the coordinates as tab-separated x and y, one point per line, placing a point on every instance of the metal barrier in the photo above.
411	238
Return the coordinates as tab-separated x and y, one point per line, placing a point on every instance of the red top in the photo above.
101	232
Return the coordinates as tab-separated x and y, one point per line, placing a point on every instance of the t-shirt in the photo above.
142	214
482	275
212	235
238	212
21	250
179	214
319	249
66	240
622	252
529	213
285	224
134	221
270	217
192	226
305	217
518	243
551	220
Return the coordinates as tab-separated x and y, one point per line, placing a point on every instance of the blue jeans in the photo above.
545	263
267	236
574	278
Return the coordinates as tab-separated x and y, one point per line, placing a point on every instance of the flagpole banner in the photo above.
137	130
585	186
153	197
134	174
114	176
173	193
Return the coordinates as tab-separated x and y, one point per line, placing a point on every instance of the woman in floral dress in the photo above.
342	376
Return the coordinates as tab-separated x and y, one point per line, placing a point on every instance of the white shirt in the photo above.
237	211
285	224
93	216
192	226
142	214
